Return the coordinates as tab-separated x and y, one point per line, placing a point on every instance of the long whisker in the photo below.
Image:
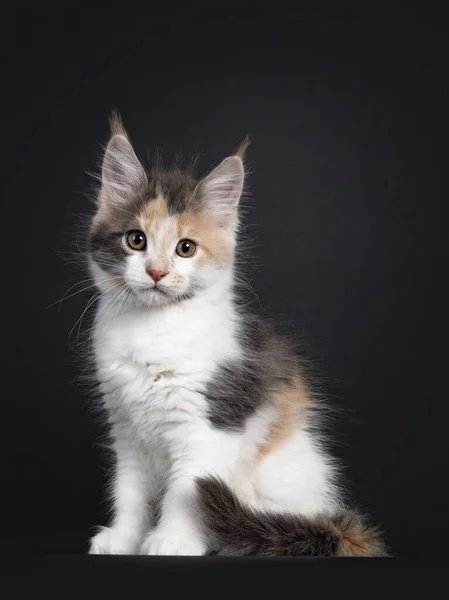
89	304
66	297
124	303
109	305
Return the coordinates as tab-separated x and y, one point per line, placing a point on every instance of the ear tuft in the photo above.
241	149
122	174
116	125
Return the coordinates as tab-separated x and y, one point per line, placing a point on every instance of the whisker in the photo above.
125	301
109	305
89	304
65	297
104	307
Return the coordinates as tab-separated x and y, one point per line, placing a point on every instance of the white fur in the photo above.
154	358
153	365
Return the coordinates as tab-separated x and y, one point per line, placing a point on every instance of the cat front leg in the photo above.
132	489
179	531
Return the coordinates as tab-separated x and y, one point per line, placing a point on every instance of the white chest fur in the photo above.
153	365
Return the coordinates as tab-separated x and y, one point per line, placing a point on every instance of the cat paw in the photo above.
113	541
168	543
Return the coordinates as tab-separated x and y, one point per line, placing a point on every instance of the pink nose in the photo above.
156	275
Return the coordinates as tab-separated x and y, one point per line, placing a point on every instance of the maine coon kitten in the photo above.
211	412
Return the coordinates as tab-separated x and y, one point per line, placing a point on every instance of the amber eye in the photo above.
186	248
136	240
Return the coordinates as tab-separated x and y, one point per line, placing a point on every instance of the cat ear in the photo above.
122	175
220	191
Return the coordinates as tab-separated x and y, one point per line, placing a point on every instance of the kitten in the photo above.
212	415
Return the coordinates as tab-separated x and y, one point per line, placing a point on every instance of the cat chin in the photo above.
156	298
152	298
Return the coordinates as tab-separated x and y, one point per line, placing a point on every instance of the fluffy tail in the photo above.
238	530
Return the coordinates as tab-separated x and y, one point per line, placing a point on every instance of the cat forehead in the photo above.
164	194
173	189
157	219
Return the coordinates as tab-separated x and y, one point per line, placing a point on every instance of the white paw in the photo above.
172	543
113	541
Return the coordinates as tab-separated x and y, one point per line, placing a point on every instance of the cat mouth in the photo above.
156	289
145	289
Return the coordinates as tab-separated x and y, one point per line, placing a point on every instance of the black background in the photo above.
348	116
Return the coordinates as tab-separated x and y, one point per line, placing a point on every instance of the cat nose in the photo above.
156	275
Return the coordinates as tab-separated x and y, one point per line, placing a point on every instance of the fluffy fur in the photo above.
212	414
238	530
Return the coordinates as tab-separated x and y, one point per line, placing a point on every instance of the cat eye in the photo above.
136	240
185	248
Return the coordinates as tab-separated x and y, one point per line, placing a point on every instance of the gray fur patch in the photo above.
236	530
238	389
176	186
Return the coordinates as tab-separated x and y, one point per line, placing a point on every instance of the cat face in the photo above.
162	237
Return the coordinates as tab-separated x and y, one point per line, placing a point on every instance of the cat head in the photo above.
162	235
